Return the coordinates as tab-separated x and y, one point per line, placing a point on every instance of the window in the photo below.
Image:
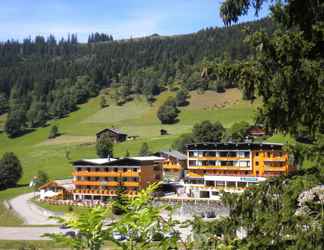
125	170
156	168
97	169
88	169
115	169
257	154
257	163
135	169
246	154
269	154
157	177
78	169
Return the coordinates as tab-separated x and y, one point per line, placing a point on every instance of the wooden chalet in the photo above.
115	134
57	190
256	131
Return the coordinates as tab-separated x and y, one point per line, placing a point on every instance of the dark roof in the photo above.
175	154
133	161
113	130
256	130
231	145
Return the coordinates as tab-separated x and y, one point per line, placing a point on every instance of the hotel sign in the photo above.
249	179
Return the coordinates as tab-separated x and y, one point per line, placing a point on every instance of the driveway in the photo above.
28	233
30	212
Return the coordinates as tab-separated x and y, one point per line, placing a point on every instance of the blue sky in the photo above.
121	18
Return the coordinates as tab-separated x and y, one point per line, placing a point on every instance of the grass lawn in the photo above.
135	118
8	217
60	208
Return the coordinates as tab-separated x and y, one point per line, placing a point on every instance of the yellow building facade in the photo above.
232	166
98	179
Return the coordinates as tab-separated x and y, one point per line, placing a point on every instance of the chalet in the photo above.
256	131
115	134
57	189
174	164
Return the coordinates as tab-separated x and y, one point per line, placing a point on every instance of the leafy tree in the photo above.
168	112
42	178
207	131
16	122
181	142
103	102
89	227
10	170
37	114
144	150
127	154
181	97
104	146
4	105
54	132
143	222
237	132
286	70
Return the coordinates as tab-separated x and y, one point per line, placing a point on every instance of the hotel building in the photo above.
174	165
98	179
232	166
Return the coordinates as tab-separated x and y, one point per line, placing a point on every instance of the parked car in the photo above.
70	233
118	236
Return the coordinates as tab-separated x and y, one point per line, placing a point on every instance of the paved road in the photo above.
30	212
27	233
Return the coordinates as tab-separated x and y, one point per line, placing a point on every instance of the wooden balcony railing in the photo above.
106	174
219	167
102	192
218	158
171	166
274	159
279	169
107	183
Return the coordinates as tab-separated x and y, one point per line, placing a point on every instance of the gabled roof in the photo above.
99	161
147	158
175	154
136	161
113	130
67	184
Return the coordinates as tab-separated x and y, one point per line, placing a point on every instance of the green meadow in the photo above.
137	117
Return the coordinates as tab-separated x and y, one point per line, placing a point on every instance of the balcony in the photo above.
172	166
277	169
107	183
103	192
275	159
220	167
194	175
218	158
130	184
106	174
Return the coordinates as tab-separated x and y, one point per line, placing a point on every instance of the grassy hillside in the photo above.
136	118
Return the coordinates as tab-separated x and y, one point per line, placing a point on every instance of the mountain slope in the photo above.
135	118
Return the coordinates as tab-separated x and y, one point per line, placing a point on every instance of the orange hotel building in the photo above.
232	166
98	179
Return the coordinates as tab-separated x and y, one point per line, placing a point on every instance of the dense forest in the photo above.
45	78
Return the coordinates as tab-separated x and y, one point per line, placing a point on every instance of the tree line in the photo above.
46	78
